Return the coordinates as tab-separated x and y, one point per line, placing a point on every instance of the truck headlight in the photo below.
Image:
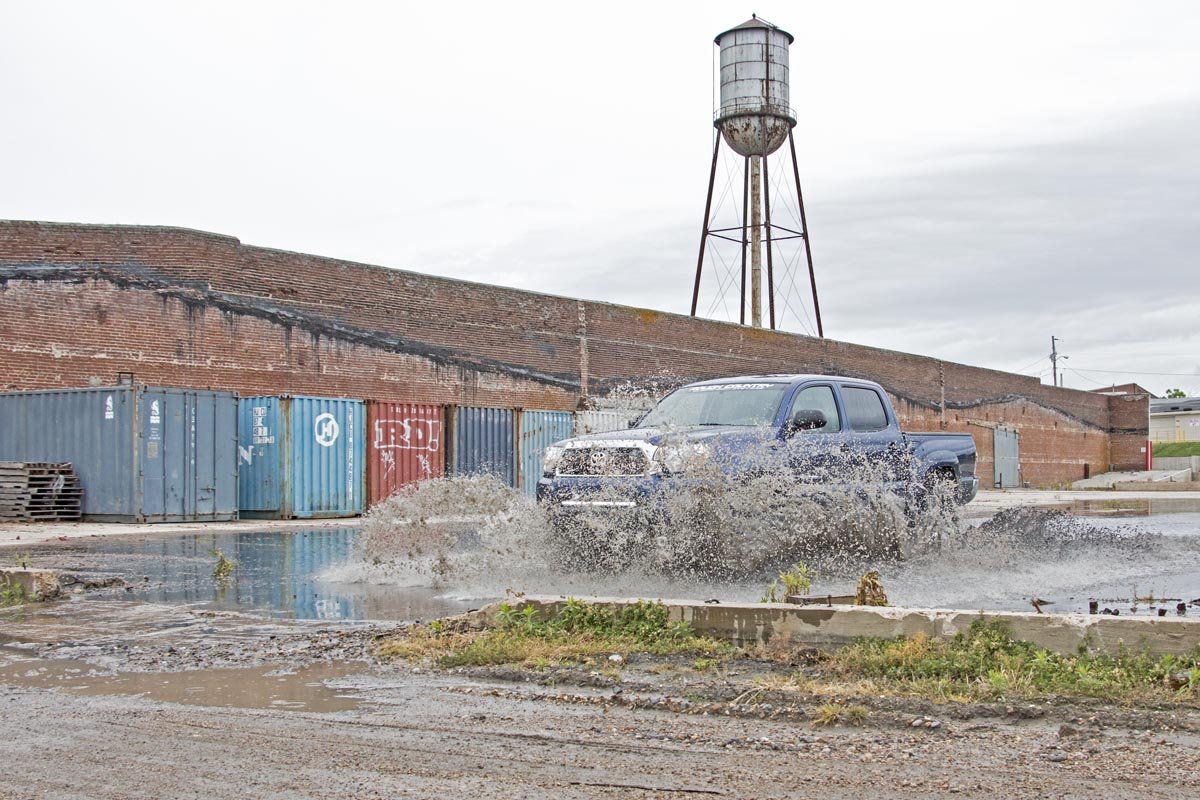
550	460
676	459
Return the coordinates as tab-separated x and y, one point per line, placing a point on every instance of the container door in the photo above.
328	456
483	443
405	444
163	454
91	429
1007	448
260	456
539	430
603	421
217	494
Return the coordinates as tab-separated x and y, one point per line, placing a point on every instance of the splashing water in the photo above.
709	526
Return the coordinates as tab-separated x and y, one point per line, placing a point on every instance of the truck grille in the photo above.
609	461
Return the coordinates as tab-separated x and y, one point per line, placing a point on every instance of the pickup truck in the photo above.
814	428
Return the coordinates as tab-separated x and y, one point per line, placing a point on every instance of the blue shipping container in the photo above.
301	457
539	430
142	453
483	443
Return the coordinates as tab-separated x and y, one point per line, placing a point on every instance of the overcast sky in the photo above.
977	177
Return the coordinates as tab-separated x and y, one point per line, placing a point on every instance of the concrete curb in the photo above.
36	584
831	627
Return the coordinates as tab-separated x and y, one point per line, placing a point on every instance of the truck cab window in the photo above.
818	398
864	408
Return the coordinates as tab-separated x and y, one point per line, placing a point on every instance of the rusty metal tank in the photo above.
754	115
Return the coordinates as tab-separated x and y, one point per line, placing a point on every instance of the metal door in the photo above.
1007	450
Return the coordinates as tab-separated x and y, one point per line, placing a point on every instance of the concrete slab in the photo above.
1161	486
1109	480
36	584
832	627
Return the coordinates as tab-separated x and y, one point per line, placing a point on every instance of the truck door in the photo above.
873	436
811	451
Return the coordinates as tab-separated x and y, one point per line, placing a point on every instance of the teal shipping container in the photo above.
301	457
483	443
142	453
539	430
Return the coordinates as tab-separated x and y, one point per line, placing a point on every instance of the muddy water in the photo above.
305	575
309	688
1112	553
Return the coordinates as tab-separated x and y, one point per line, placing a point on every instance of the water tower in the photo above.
754	119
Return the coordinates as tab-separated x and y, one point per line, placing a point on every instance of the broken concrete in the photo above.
834	626
36	584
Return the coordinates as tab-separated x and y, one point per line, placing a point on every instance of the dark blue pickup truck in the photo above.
815	428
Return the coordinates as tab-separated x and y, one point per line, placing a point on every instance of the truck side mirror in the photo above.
807	419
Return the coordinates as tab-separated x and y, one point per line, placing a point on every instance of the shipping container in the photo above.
539	430
142	453
483	443
301	457
406	443
604	421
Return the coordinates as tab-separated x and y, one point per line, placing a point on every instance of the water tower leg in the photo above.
745	228
812	279
766	180
755	242
712	177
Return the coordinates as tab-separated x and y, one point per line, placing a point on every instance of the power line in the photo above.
1143	372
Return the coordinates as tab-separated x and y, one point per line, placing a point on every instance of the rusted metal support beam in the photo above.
712	177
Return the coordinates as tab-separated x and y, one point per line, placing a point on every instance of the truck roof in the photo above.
778	378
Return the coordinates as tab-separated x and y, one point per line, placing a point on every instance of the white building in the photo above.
1175	420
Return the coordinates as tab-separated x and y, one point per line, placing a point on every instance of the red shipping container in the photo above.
405	444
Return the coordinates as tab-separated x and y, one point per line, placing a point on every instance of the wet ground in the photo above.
263	685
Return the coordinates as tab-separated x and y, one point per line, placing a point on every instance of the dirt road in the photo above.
433	735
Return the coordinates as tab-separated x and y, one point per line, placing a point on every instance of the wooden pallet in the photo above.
39	491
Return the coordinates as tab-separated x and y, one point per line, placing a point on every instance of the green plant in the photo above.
795	580
577	633
11	594
986	662
223	569
24	561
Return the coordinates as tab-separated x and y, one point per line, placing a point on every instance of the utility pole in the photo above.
1054	358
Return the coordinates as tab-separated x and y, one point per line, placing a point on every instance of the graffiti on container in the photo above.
415	433
109	411
326	429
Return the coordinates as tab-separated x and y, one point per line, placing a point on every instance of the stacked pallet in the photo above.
39	492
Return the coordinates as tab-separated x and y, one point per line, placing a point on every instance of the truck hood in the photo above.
707	434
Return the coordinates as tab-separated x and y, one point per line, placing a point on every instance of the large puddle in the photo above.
291	627
1111	552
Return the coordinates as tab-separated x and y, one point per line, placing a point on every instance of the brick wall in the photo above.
78	303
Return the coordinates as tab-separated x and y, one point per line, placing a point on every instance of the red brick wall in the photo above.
79	303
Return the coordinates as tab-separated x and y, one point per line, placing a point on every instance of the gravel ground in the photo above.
440	736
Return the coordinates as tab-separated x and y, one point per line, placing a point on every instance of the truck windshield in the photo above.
718	404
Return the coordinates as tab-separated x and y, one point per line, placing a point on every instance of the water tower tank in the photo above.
754	116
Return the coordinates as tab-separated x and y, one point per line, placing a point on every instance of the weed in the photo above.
870	590
986	663
856	715
828	714
578	633
11	594
24	561
795	580
704	664
223	569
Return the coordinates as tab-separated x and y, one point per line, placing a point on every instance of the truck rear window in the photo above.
864	408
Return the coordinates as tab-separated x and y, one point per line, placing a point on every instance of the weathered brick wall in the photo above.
79	303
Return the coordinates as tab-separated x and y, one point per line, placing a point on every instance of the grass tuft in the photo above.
579	633
987	663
